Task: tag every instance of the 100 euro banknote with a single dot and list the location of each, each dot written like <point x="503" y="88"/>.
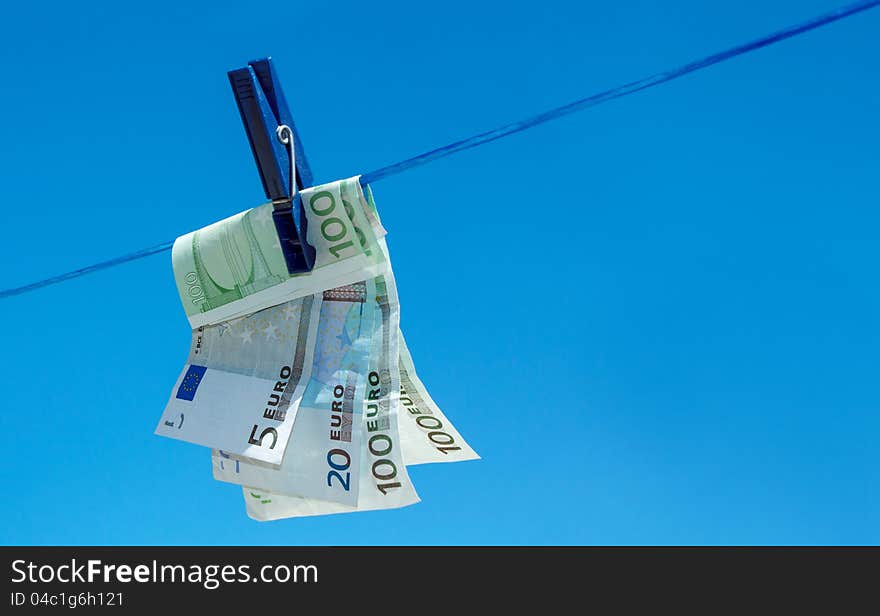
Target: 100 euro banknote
<point x="426" y="434"/>
<point x="235" y="266"/>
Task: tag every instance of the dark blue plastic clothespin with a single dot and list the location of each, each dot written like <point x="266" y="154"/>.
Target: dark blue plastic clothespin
<point x="263" y="109"/>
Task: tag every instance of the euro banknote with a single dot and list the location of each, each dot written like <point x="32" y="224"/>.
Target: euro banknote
<point x="383" y="478"/>
<point x="241" y="387"/>
<point x="426" y="434"/>
<point x="235" y="266"/>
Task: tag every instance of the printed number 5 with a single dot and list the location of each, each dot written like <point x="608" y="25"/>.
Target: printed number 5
<point x="263" y="434"/>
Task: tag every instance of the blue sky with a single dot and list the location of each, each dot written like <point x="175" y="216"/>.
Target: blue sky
<point x="656" y="320"/>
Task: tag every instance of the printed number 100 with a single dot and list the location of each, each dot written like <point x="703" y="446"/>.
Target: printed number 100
<point x="333" y="229"/>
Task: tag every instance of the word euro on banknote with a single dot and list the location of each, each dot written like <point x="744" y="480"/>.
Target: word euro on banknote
<point x="384" y="481"/>
<point x="236" y="266"/>
<point x="243" y="381"/>
<point x="324" y="452"/>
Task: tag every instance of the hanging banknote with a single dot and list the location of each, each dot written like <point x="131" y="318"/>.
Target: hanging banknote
<point x="426" y="435"/>
<point x="243" y="381"/>
<point x="236" y="266"/>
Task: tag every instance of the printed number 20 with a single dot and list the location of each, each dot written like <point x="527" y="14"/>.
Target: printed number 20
<point x="339" y="467"/>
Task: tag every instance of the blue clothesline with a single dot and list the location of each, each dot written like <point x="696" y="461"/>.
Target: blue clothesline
<point x="514" y="127"/>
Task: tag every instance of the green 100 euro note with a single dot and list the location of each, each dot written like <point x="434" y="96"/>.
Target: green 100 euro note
<point x="235" y="267"/>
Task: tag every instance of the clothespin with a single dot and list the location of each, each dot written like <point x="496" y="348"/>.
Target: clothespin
<point x="264" y="111"/>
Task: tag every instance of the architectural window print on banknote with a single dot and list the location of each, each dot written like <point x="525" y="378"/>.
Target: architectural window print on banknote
<point x="302" y="385"/>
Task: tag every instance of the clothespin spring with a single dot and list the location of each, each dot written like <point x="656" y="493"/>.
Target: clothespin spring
<point x="287" y="212"/>
<point x="285" y="136"/>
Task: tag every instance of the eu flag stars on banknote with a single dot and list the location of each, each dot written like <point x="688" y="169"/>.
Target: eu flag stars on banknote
<point x="301" y="384"/>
